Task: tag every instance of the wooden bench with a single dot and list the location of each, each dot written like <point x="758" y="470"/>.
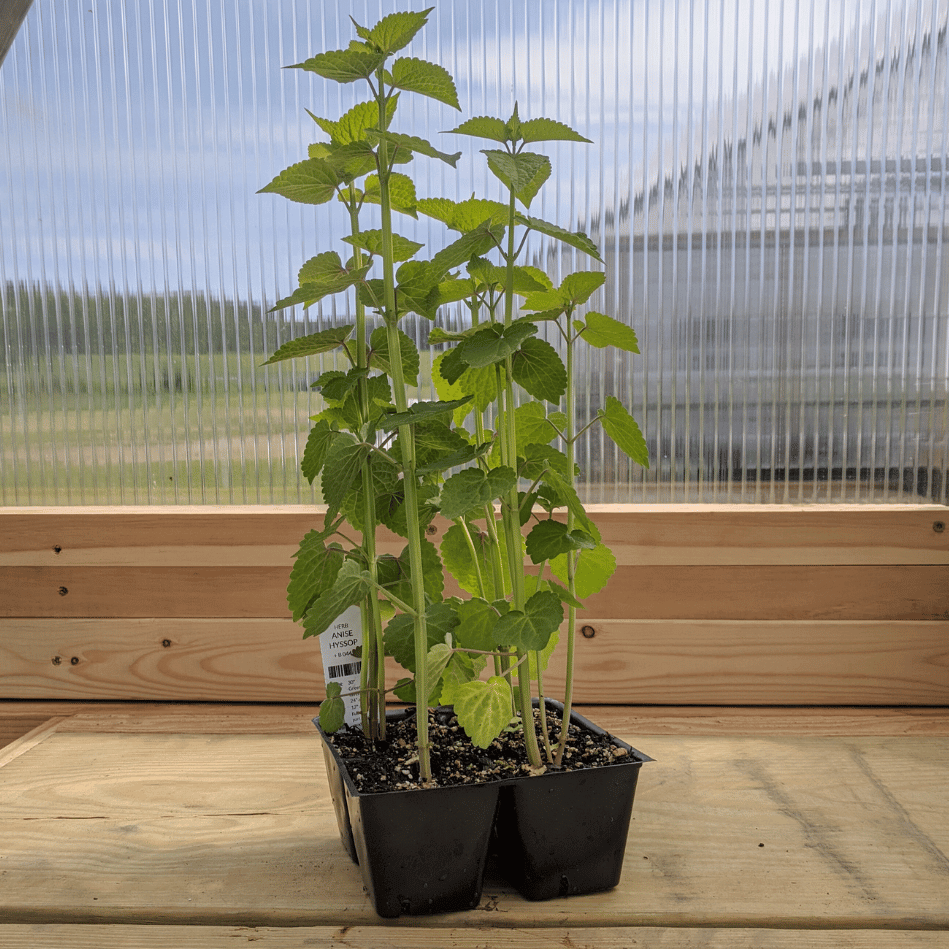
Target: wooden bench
<point x="160" y="784"/>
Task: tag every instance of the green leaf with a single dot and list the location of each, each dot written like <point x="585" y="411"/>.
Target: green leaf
<point x="399" y="636"/>
<point x="602" y="330"/>
<point x="322" y="342"/>
<point x="435" y="663"/>
<point x="453" y="459"/>
<point x="417" y="290"/>
<point x="379" y="356"/>
<point x="578" y="240"/>
<point x="532" y="628"/>
<point x="472" y="213"/>
<point x="412" y="144"/>
<point x="461" y="668"/>
<point x="622" y="428"/>
<point x="332" y="709"/>
<point x="537" y="660"/>
<point x="577" y="288"/>
<point x="427" y="79"/>
<point x="401" y="193"/>
<point x="593" y="571"/>
<point x="483" y="708"/>
<point x="349" y="588"/>
<point x="343" y="65"/>
<point x="534" y="426"/>
<point x="547" y="540"/>
<point x="547" y="130"/>
<point x="335" y="386"/>
<point x="344" y="460"/>
<point x="480" y="384"/>
<point x="384" y="480"/>
<point x="434" y="440"/>
<point x="456" y="555"/>
<point x="317" y="445"/>
<point x="494" y="343"/>
<point x="421" y="411"/>
<point x="396" y="31"/>
<point x="315" y="567"/>
<point x="473" y="488"/>
<point x="459" y="252"/>
<point x="371" y="242"/>
<point x="477" y="619"/>
<point x="307" y="182"/>
<point x="538" y="368"/>
<point x="523" y="173"/>
<point x="352" y="126"/>
<point x="567" y="493"/>
<point x="483" y="126"/>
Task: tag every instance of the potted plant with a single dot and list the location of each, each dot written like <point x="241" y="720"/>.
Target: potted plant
<point x="495" y="456"/>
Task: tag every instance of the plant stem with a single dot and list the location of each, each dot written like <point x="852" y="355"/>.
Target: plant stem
<point x="571" y="557"/>
<point x="407" y="441"/>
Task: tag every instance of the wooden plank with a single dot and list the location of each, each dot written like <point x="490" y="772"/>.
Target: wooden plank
<point x="775" y="833"/>
<point x="647" y="534"/>
<point x="28" y="741"/>
<point x="485" y="936"/>
<point x="648" y="592"/>
<point x="158" y="718"/>
<point x="636" y="661"/>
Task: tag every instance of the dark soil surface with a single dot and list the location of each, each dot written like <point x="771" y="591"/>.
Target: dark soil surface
<point x="392" y="765"/>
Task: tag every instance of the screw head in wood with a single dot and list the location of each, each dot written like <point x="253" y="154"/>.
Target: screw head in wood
<point x="587" y="632"/>
<point x="63" y="591"/>
<point x="939" y="527"/>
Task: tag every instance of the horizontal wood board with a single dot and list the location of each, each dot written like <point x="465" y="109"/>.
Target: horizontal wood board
<point x="710" y="603"/>
<point x="230" y="829"/>
<point x="641" y="661"/>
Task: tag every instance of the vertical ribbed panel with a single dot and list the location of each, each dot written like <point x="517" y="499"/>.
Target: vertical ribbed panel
<point x="767" y="184"/>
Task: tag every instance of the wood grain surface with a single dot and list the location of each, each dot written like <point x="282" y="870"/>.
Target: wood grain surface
<point x="40" y="936"/>
<point x="773" y="833"/>
<point x="623" y="661"/>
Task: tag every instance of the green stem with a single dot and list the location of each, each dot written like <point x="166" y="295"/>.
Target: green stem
<point x="571" y="561"/>
<point x="407" y="441"/>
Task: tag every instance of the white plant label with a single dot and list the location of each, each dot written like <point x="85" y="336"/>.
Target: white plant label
<point x="339" y="664"/>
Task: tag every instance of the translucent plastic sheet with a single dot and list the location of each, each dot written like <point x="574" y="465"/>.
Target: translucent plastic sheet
<point x="767" y="183"/>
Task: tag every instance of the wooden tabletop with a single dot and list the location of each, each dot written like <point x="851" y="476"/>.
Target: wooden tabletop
<point x="207" y="826"/>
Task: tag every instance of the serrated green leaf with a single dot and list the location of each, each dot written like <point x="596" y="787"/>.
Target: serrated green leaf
<point x="578" y="240"/>
<point x="371" y="242"/>
<point x="413" y="144"/>
<point x="317" y="445"/>
<point x="315" y="343"/>
<point x="395" y="514"/>
<point x="420" y="411"/>
<point x="348" y="589"/>
<point x="343" y="65"/>
<point x="380" y="358"/>
<point x="456" y="555"/>
<point x="567" y="494"/>
<point x="352" y="126"/>
<point x="383" y="481"/>
<point x="547" y="130"/>
<point x="534" y="426"/>
<point x="622" y="428"/>
<point x="343" y="463"/>
<point x="427" y="79"/>
<point x="479" y="384"/>
<point x="332" y="710"/>
<point x="483" y="126"/>
<point x="395" y="31"/>
<point x="401" y="193"/>
<point x="417" y="289"/>
<point x="435" y="663"/>
<point x="322" y="268"/>
<point x="335" y="386"/>
<point x="578" y="287"/>
<point x="459" y="252"/>
<point x="547" y="540"/>
<point x="473" y="213"/>
<point x="307" y="182"/>
<point x="399" y="638"/>
<point x="434" y="440"/>
<point x="539" y="370"/>
<point x="494" y="343"/>
<point x="532" y="628"/>
<point x="601" y="330"/>
<point x="305" y="295"/>
<point x="537" y="460"/>
<point x="461" y="668"/>
<point x="315" y="567"/>
<point x="472" y="489"/>
<point x="483" y="708"/>
<point x="523" y="173"/>
<point x="477" y="619"/>
<point x="593" y="571"/>
<point x="460" y="456"/>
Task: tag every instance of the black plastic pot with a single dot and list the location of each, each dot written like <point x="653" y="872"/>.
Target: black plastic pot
<point x="424" y="851"/>
<point x="421" y="851"/>
<point x="564" y="833"/>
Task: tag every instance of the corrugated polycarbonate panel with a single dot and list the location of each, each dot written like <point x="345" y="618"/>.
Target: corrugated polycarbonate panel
<point x="767" y="184"/>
